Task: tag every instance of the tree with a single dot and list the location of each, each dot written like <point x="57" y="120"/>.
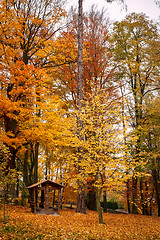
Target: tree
<point x="27" y="28"/>
<point x="7" y="178"/>
<point x="135" y="43"/>
<point x="101" y="150"/>
<point x="81" y="189"/>
<point x="151" y="134"/>
<point x="98" y="70"/>
<point x="98" y="67"/>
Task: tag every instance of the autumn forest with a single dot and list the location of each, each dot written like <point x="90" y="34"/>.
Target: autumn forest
<point x="79" y="106"/>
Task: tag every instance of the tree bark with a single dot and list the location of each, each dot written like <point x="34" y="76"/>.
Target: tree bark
<point x="142" y="197"/>
<point x="99" y="209"/>
<point x="156" y="185"/>
<point x="36" y="162"/>
<point x="98" y="202"/>
<point x="105" y="201"/>
<point x="128" y="201"/>
<point x="81" y="205"/>
<point x="25" y="169"/>
<point x="134" y="196"/>
<point x="91" y="203"/>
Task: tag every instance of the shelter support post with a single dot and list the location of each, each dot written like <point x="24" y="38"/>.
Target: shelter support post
<point x="47" y="198"/>
<point x="58" y="202"/>
<point x="34" y="194"/>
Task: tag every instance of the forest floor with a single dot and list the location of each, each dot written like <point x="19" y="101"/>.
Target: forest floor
<point x="22" y="224"/>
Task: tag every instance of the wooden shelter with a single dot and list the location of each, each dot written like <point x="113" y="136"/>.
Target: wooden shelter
<point x="45" y="197"/>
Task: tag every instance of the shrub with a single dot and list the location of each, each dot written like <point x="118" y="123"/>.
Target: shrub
<point x="110" y="205"/>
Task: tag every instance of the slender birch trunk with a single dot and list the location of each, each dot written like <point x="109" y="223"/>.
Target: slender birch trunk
<point x="81" y="206"/>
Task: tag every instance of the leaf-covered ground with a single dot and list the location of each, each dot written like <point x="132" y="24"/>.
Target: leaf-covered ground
<point x="22" y="224"/>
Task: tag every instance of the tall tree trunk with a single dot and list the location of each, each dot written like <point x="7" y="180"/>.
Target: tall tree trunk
<point x="137" y="149"/>
<point x="124" y="139"/>
<point x="128" y="201"/>
<point x="62" y="178"/>
<point x="25" y="169"/>
<point x="157" y="190"/>
<point x="142" y="197"/>
<point x="91" y="197"/>
<point x="105" y="201"/>
<point x="146" y="203"/>
<point x="134" y="196"/>
<point x="98" y="201"/>
<point x="11" y="126"/>
<point x="36" y="162"/>
<point x="99" y="209"/>
<point x="12" y="166"/>
<point x="11" y="162"/>
<point x="81" y="205"/>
